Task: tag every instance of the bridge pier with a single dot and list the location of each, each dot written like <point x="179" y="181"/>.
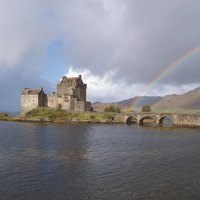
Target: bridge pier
<point x="140" y="122"/>
<point x="159" y="122"/>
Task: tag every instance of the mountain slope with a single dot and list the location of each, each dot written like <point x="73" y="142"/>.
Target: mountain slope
<point x="128" y="104"/>
<point x="190" y="100"/>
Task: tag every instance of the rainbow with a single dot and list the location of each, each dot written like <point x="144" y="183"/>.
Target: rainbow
<point x="167" y="70"/>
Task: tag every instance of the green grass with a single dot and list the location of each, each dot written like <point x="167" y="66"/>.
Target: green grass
<point x="53" y="114"/>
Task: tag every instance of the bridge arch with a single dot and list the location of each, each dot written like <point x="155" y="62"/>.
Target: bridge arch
<point x="141" y="120"/>
<point x="131" y="120"/>
<point x="160" y="120"/>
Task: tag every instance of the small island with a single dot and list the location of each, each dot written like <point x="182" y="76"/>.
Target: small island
<point x="68" y="104"/>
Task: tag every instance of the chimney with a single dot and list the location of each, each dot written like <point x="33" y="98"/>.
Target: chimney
<point x="79" y="76"/>
<point x="64" y="77"/>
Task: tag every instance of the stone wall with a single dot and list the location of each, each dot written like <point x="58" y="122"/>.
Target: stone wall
<point x="186" y="120"/>
<point x="28" y="102"/>
<point x="80" y="106"/>
<point x="80" y="92"/>
<point x="72" y="86"/>
<point x="31" y="99"/>
<point x="88" y="106"/>
<point x="52" y="100"/>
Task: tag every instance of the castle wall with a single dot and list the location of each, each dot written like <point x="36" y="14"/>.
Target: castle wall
<point x="88" y="106"/>
<point x="52" y="100"/>
<point x="29" y="102"/>
<point x="80" y="92"/>
<point x="65" y="102"/>
<point x="80" y="106"/>
<point x="62" y="89"/>
<point x="41" y="99"/>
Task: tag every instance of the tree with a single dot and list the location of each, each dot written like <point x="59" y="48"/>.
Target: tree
<point x="112" y="108"/>
<point x="146" y="108"/>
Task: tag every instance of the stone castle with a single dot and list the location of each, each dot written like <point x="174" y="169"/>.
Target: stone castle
<point x="70" y="96"/>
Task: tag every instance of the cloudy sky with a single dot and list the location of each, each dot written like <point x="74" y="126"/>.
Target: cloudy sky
<point x="119" y="46"/>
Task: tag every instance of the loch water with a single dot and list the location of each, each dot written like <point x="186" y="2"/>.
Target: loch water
<point x="41" y="161"/>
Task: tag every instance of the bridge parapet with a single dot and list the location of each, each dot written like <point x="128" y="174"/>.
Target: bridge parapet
<point x="183" y="120"/>
<point x="186" y="120"/>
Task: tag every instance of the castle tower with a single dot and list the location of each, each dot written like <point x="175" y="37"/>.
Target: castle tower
<point x="31" y="99"/>
<point x="71" y="93"/>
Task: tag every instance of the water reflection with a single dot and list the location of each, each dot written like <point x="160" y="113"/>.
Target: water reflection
<point x="64" y="161"/>
<point x="167" y="122"/>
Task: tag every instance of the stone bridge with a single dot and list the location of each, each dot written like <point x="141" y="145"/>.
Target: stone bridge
<point x="183" y="120"/>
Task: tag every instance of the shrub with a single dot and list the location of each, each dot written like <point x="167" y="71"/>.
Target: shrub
<point x="3" y="115"/>
<point x="92" y="116"/>
<point x="146" y="108"/>
<point x="112" y="108"/>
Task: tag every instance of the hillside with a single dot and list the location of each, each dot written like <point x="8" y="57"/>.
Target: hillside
<point x="101" y="106"/>
<point x="127" y="104"/>
<point x="189" y="100"/>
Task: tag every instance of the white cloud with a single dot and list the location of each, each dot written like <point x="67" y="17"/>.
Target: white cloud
<point x="170" y="89"/>
<point x="106" y="89"/>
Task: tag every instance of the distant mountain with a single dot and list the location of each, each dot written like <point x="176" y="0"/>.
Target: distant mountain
<point x="100" y="106"/>
<point x="128" y="104"/>
<point x="189" y="100"/>
<point x="150" y="100"/>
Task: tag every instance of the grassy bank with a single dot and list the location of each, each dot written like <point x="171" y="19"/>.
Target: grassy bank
<point x="46" y="114"/>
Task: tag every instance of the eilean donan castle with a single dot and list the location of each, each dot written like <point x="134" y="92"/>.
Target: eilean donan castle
<point x="70" y="95"/>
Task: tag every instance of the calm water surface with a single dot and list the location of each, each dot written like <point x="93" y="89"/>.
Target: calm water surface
<point x="68" y="161"/>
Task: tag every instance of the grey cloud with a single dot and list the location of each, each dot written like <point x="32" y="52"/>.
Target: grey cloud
<point x="12" y="83"/>
<point x="135" y="38"/>
<point x="138" y="38"/>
